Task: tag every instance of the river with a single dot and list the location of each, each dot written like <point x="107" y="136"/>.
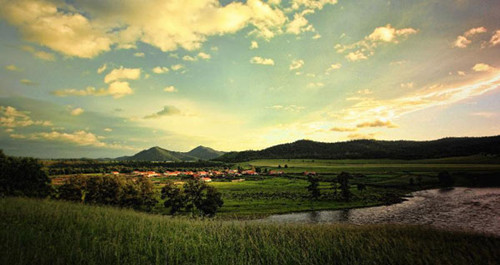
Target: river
<point x="473" y="209"/>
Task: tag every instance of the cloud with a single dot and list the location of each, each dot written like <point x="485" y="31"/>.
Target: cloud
<point x="315" y="85"/>
<point x="461" y="73"/>
<point x="170" y="89"/>
<point x="356" y="56"/>
<point x="365" y="48"/>
<point x="377" y="123"/>
<point x="463" y="41"/>
<point x="166" y="111"/>
<point x="291" y="108"/>
<point x="139" y="54"/>
<point x="296" y="64"/>
<point x="359" y="136"/>
<point x="317" y="36"/>
<point x="495" y="39"/>
<point x="13" y="68"/>
<point x="122" y="73"/>
<point x="88" y="28"/>
<point x="407" y="85"/>
<point x="311" y="4"/>
<point x="484" y="114"/>
<point x="108" y="129"/>
<point x="474" y="31"/>
<point x="298" y="25"/>
<point x="254" y="45"/>
<point x="342" y="129"/>
<point x="334" y="67"/>
<point x="177" y="67"/>
<point x="102" y="68"/>
<point x="10" y="117"/>
<point x="116" y="90"/>
<point x="160" y="70"/>
<point x="260" y="60"/>
<point x="77" y="111"/>
<point x="28" y="82"/>
<point x="365" y="92"/>
<point x="204" y="56"/>
<point x="189" y="58"/>
<point x="56" y="27"/>
<point x="482" y="67"/>
<point x="47" y="56"/>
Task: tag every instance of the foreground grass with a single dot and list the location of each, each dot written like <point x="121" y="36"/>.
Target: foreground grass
<point x="51" y="232"/>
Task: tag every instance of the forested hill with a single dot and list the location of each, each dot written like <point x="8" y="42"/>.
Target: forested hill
<point x="373" y="149"/>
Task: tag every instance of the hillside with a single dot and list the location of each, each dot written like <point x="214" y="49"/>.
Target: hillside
<point x="56" y="232"/>
<point x="373" y="149"/>
<point x="159" y="154"/>
<point x="204" y="153"/>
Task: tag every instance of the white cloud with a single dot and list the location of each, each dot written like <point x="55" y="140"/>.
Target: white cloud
<point x="365" y="92"/>
<point x="101" y="69"/>
<point x="298" y="25"/>
<point x="13" y="68"/>
<point x="77" y="111"/>
<point x="474" y="31"/>
<point x="122" y="73"/>
<point x="356" y="56"/>
<point x="407" y="85"/>
<point x="263" y="61"/>
<point x="334" y="67"/>
<point x="317" y="36"/>
<point x="160" y="70"/>
<point x="87" y="28"/>
<point x="204" y="56"/>
<point x="254" y="45"/>
<point x="482" y="67"/>
<point x="170" y="89"/>
<point x="189" y="58"/>
<point x="296" y="64"/>
<point x="28" y="82"/>
<point x="139" y="54"/>
<point x="461" y="73"/>
<point x="177" y="67"/>
<point x="10" y="117"/>
<point x="315" y="85"/>
<point x="461" y="42"/>
<point x="365" y="48"/>
<point x="108" y="129"/>
<point x="47" y="56"/>
<point x="311" y="4"/>
<point x="116" y="89"/>
<point x="291" y="108"/>
<point x="495" y="39"/>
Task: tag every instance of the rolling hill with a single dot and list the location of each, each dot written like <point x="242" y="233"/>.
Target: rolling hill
<point x="159" y="154"/>
<point x="373" y="149"/>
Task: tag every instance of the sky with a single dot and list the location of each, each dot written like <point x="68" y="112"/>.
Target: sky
<point x="106" y="78"/>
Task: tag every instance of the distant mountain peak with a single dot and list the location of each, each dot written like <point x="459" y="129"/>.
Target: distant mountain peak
<point x="157" y="153"/>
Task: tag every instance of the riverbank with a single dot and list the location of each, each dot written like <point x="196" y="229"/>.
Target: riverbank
<point x="473" y="209"/>
<point x="54" y="232"/>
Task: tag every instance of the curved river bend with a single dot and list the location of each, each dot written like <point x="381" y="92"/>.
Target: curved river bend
<point x="476" y="209"/>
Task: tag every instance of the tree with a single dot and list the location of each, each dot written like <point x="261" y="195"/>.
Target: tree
<point x="202" y="198"/>
<point x="313" y="187"/>
<point x="174" y="196"/>
<point x="73" y="189"/>
<point x="22" y="177"/>
<point x="343" y="180"/>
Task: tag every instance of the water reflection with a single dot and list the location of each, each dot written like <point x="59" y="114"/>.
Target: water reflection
<point x="463" y="208"/>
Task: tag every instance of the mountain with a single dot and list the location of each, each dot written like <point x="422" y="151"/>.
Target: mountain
<point x="159" y="154"/>
<point x="373" y="149"/>
<point x="204" y="153"/>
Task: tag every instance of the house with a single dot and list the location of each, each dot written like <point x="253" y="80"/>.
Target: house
<point x="206" y="179"/>
<point x="237" y="180"/>
<point x="115" y="172"/>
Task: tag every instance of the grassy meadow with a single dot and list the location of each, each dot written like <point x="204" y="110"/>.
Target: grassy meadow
<point x="55" y="232"/>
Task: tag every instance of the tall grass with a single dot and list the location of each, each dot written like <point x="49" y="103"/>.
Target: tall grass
<point x="54" y="232"/>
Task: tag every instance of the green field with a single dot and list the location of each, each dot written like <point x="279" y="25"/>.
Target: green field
<point x="54" y="232"/>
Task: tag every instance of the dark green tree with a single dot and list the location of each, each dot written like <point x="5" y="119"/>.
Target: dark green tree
<point x="174" y="196"/>
<point x="343" y="180"/>
<point x="313" y="187"/>
<point x="23" y="177"/>
<point x="202" y="198"/>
